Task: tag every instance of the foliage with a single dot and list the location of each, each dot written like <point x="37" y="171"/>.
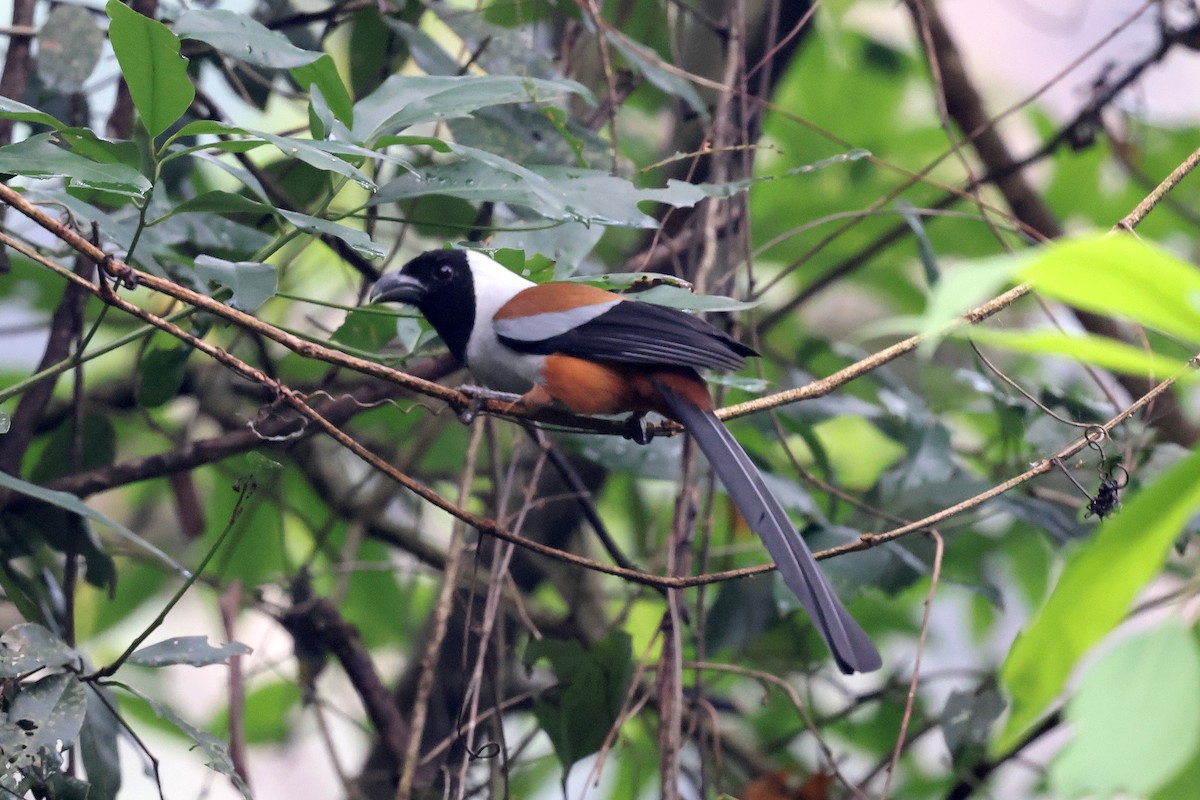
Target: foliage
<point x="221" y="191"/>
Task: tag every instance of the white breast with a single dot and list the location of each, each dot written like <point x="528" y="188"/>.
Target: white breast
<point x="493" y="364"/>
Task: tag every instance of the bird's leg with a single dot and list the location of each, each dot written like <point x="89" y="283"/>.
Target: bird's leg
<point x="636" y="428"/>
<point x="480" y="394"/>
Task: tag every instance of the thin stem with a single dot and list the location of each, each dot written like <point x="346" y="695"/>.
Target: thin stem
<point x="245" y="488"/>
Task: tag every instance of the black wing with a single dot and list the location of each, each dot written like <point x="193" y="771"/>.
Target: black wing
<point x="640" y="333"/>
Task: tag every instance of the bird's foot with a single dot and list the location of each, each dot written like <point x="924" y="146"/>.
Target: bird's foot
<point x="637" y="430"/>
<point x="479" y="395"/>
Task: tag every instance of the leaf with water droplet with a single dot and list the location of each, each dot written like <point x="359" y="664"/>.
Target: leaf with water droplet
<point x="242" y="37"/>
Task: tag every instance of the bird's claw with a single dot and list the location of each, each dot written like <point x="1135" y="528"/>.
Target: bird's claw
<point x="637" y="430"/>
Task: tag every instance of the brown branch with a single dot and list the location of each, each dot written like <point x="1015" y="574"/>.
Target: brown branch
<point x="229" y="604"/>
<point x="118" y="270"/>
<point x="491" y="527"/>
<point x="1131" y="220"/>
<point x="320" y="617"/>
<point x="441" y="619"/>
<point x="911" y="697"/>
<point x="66" y="326"/>
<point x="18" y="60"/>
<point x="278" y="431"/>
<point x="901" y="230"/>
<point x="867" y="541"/>
<point x="823" y="386"/>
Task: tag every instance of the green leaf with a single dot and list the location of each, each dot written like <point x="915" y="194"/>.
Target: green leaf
<point x="28" y="647"/>
<point x="1099" y="350"/>
<point x="956" y="291"/>
<point x="150" y="63"/>
<point x="925" y="249"/>
<point x="252" y="282"/>
<point x="270" y="713"/>
<point x="529" y="136"/>
<point x="1118" y="274"/>
<point x="86" y="143"/>
<point x="1133" y="719"/>
<point x="11" y="109"/>
<point x="405" y="100"/>
<point x="566" y="244"/>
<point x="242" y="37"/>
<point x="1183" y="785"/>
<point x="70" y="502"/>
<point x="160" y="374"/>
<point x="38" y="157"/>
<point x="325" y="155"/>
<point x="578" y="714"/>
<point x="99" y="447"/>
<point x="194" y="650"/>
<point x="34" y="524"/>
<point x="357" y="239"/>
<point x="323" y="74"/>
<point x="366" y="331"/>
<point x="1093" y="594"/>
<point x="221" y="203"/>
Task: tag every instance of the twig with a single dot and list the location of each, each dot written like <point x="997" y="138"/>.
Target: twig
<point x="910" y="700"/>
<point x="229" y="603"/>
<point x="590" y="8"/>
<point x="867" y="541"/>
<point x="1000" y="374"/>
<point x="245" y="488"/>
<point x="343" y="640"/>
<point x="1131" y="220"/>
<point x="441" y="618"/>
<point x="823" y="386"/>
<point x="794" y="697"/>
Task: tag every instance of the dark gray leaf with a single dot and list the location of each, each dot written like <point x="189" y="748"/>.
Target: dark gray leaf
<point x="357" y="239"/>
<point x="194" y="650"/>
<point x="45" y="714"/>
<point x="657" y="71"/>
<point x="72" y="503"/>
<point x="28" y="647"/>
<point x="212" y="747"/>
<point x="69" y="45"/>
<point x="967" y="720"/>
<point x="98" y="745"/>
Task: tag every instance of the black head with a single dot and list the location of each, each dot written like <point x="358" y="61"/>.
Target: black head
<point x="439" y="284"/>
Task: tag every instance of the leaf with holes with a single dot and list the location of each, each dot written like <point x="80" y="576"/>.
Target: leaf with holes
<point x="28" y="647"/>
<point x="194" y="650"/>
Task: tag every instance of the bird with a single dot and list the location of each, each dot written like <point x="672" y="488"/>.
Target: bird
<point x="594" y="352"/>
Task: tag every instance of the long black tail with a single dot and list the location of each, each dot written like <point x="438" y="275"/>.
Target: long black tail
<point x="851" y="647"/>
